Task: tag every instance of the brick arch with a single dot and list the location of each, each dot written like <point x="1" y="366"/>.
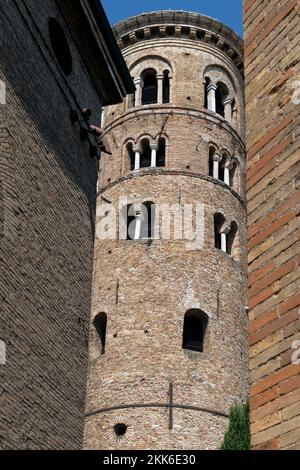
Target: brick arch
<point x="156" y="62"/>
<point x="219" y="74"/>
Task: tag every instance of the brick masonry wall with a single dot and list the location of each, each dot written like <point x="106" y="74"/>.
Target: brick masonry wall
<point x="146" y="288"/>
<point x="48" y="183"/>
<point x="272" y="62"/>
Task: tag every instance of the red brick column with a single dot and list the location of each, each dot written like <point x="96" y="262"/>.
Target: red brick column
<point x="272" y="54"/>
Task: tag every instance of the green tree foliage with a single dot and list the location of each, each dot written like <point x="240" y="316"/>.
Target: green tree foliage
<point x="238" y="435"/>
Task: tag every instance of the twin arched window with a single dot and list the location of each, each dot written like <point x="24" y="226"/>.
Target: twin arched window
<point x="139" y="221"/>
<point x="217" y="99"/>
<point x="224" y="235"/>
<point x="222" y="167"/>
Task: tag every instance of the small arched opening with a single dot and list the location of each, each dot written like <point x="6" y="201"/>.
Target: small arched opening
<point x="219" y="221"/>
<point x="131" y="155"/>
<point x="100" y="323"/>
<point x="231" y="236"/>
<point x="207" y="82"/>
<point x="148" y="220"/>
<point x="212" y="153"/>
<point x="166" y="87"/>
<point x="161" y="153"/>
<point x="194" y="330"/>
<point x="145" y="154"/>
<point x="222" y="93"/>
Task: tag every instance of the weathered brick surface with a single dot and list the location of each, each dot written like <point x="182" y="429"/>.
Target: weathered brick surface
<point x="145" y="289"/>
<point x="48" y="183"/>
<point x="272" y="37"/>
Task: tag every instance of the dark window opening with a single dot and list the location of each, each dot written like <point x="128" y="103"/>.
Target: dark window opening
<point x="206" y="85"/>
<point x="60" y="46"/>
<point x="195" y="324"/>
<point x="131" y="156"/>
<point x="221" y="94"/>
<point x="166" y="87"/>
<point x="219" y="221"/>
<point x="161" y="153"/>
<point x="145" y="154"/>
<point x="222" y="168"/>
<point x="148" y="217"/>
<point x="100" y="323"/>
<point x="120" y="429"/>
<point x="130" y="221"/>
<point x="231" y="237"/>
<point x="149" y="94"/>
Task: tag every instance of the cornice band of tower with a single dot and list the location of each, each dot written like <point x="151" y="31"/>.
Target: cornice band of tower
<point x="172" y="110"/>
<point x="181" y="24"/>
<point x="162" y="172"/>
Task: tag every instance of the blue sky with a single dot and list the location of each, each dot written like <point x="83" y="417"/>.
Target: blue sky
<point x="228" y="11"/>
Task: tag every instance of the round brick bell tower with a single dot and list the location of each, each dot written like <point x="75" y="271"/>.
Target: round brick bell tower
<point x="168" y="334"/>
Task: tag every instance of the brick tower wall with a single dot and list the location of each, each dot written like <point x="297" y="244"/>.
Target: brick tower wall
<point x="272" y="45"/>
<point x="145" y="287"/>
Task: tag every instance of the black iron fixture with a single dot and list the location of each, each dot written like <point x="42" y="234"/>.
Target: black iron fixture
<point x="86" y="130"/>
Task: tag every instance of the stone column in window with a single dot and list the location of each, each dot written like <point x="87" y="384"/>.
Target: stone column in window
<point x="228" y="109"/>
<point x="211" y="97"/>
<point x="216" y="159"/>
<point x="138" y="93"/>
<point x="160" y="81"/>
<point x="224" y="233"/>
<point x="228" y="167"/>
<point x="153" y="155"/>
<point x="137" y="158"/>
<point x="138" y="225"/>
<point x="170" y="88"/>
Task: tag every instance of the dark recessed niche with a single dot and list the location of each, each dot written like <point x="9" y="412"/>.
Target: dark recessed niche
<point x="120" y="429"/>
<point x="60" y="46"/>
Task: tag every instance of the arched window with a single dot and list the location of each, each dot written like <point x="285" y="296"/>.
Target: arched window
<point x="161" y="153"/>
<point x="129" y="217"/>
<point x="219" y="221"/>
<point x="222" y="93"/>
<point x="145" y="154"/>
<point x="231" y="237"/>
<point x="149" y="93"/>
<point x="194" y="329"/>
<point x="212" y="152"/>
<point x="139" y="220"/>
<point x="222" y="167"/>
<point x="166" y="87"/>
<point x="100" y="323"/>
<point x="131" y="155"/>
<point x="148" y="218"/>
